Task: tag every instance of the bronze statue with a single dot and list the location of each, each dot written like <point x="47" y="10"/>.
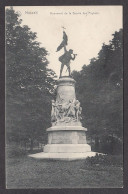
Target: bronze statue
<point x="65" y="60"/>
<point x="67" y="56"/>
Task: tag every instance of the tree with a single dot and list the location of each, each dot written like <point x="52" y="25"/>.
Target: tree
<point x="29" y="82"/>
<point x="99" y="87"/>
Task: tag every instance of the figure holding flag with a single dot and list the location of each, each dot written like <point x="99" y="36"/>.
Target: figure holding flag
<point x="67" y="56"/>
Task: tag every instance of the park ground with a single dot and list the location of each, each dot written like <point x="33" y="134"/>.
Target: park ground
<point x="25" y="172"/>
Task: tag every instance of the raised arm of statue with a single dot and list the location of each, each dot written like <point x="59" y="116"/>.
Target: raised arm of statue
<point x="65" y="50"/>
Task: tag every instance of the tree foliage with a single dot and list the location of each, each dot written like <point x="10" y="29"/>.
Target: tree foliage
<point x="99" y="87"/>
<point x="29" y="82"/>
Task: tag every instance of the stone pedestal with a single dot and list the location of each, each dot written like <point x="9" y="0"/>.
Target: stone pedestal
<point x="66" y="137"/>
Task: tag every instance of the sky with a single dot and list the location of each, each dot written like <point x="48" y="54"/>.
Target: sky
<point x="87" y="28"/>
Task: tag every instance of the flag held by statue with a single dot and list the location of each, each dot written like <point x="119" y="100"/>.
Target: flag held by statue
<point x="64" y="42"/>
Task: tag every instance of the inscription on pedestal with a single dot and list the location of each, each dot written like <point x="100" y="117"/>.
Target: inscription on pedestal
<point x="67" y="137"/>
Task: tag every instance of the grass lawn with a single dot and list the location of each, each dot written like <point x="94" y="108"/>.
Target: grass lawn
<point x="26" y="172"/>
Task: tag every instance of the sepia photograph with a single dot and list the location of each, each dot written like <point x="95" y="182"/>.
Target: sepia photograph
<point x="64" y="97"/>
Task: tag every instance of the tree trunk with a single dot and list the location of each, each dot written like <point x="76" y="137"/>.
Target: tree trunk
<point x="31" y="144"/>
<point x="97" y="143"/>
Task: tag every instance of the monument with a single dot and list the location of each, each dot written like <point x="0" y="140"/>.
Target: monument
<point x="66" y="136"/>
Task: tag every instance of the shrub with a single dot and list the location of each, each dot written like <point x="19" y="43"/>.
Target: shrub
<point x="107" y="160"/>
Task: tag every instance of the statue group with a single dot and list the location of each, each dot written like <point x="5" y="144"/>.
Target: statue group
<point x="66" y="112"/>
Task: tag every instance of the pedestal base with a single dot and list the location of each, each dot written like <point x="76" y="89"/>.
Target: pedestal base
<point x="63" y="156"/>
<point x="65" y="152"/>
<point x="67" y="148"/>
